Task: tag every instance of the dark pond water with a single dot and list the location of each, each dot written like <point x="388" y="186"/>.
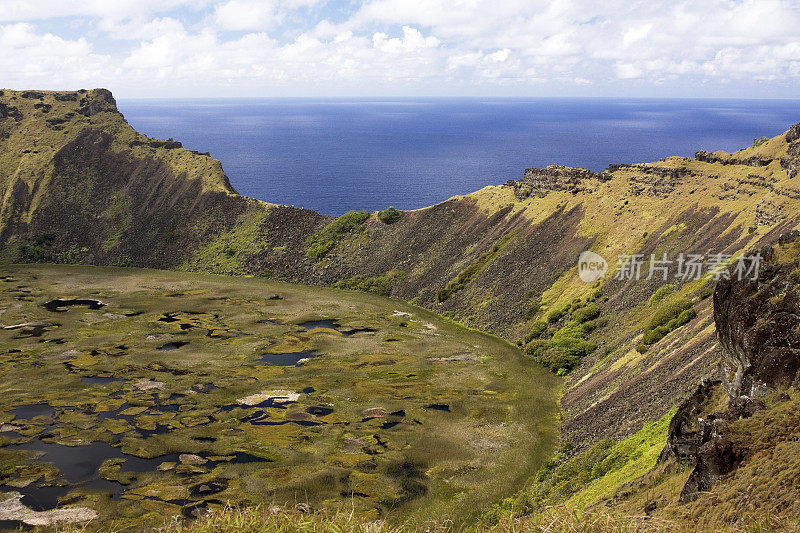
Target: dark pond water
<point x="58" y="305"/>
<point x="78" y="466"/>
<point x="29" y="411"/>
<point x="311" y="324"/>
<point x="172" y="346"/>
<point x="287" y="359"/>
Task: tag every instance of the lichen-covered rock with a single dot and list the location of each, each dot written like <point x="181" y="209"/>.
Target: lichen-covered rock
<point x="726" y="159"/>
<point x="539" y="181"/>
<point x="192" y="459"/>
<point x="277" y="396"/>
<point x="97" y="101"/>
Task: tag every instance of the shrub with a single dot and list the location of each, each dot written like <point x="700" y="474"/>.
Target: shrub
<point x="705" y="292"/>
<point x="533" y="309"/>
<point x="586" y="313"/>
<point x="322" y="242"/>
<point x="557" y="314"/>
<point x="592" y="325"/>
<point x="667" y="319"/>
<point x="390" y="215"/>
<point x="537" y="347"/>
<point x="382" y="284"/>
<point x="570" y="342"/>
<point x="661" y="293"/>
<point x="668" y="312"/>
<point x="537" y="329"/>
<point x="556" y="360"/>
<point x="39" y="248"/>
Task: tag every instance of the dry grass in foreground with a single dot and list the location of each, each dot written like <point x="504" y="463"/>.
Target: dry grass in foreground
<point x="558" y="519"/>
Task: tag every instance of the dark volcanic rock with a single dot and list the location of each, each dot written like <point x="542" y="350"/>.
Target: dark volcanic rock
<point x="66" y="97"/>
<point x="99" y="100"/>
<point x="7" y="111"/>
<point x="793" y="134"/>
<point x="650" y="180"/>
<point x="791" y="162"/>
<point x="754" y="161"/>
<point x="758" y="324"/>
<point x="686" y="435"/>
<point x="715" y="458"/>
<point x="539" y="181"/>
<point x="169" y="144"/>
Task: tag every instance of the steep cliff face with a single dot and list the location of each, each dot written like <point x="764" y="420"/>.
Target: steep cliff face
<point x="758" y="323"/>
<point x="78" y="184"/>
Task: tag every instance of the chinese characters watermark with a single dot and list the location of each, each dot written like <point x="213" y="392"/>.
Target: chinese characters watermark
<point x="687" y="267"/>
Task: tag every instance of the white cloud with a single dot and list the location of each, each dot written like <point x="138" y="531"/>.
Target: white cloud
<point x="30" y="10"/>
<point x="33" y="60"/>
<point x="323" y="46"/>
<point x="411" y="41"/>
<point x="239" y="15"/>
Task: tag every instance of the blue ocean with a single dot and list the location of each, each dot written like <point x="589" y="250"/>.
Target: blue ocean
<point x="367" y="154"/>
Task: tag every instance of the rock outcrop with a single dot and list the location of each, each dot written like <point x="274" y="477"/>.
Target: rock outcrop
<point x="758" y="325"/>
<point x="754" y="161"/>
<point x="539" y="181"/>
<point x="791" y="162"/>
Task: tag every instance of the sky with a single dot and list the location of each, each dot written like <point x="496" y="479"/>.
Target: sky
<point x="397" y="48"/>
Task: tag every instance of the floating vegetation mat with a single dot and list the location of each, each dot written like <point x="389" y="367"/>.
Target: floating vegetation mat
<point x="128" y="397"/>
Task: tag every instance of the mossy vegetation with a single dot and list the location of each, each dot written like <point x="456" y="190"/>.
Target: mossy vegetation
<point x="588" y="477"/>
<point x="229" y="252"/>
<point x="666" y="319"/>
<point x="194" y="390"/>
<point x="382" y="284"/>
<point x="561" y="339"/>
<point x="321" y="243"/>
<point x="390" y="215"/>
<point x="661" y="293"/>
<point x="466" y="276"/>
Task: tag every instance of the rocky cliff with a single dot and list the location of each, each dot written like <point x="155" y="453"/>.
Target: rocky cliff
<point x="731" y="447"/>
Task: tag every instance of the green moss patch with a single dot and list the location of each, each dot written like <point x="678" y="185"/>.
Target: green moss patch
<point x="321" y="243"/>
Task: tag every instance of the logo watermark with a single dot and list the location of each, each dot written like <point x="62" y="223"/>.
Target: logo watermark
<point x="686" y="267"/>
<point x="591" y="266"/>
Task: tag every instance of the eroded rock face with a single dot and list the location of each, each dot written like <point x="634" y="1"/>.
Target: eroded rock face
<point x="791" y="162"/>
<point x="686" y="431"/>
<point x="97" y="101"/>
<point x="539" y="181"/>
<point x="754" y="161"/>
<point x="793" y="134"/>
<point x="758" y="324"/>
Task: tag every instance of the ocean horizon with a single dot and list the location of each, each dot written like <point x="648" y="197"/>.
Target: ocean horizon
<point x="337" y="154"/>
